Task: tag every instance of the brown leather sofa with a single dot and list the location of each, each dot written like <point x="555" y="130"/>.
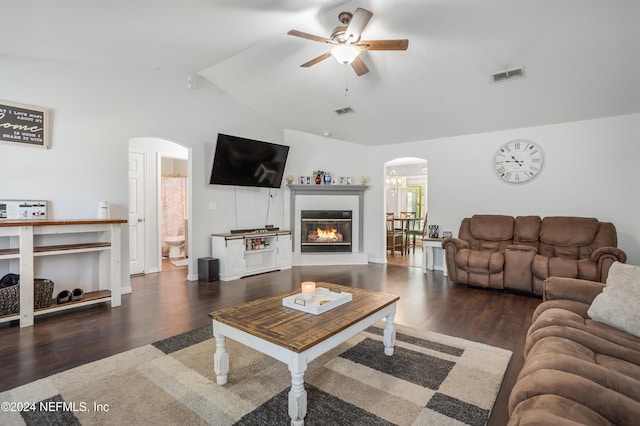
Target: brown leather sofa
<point x="497" y="251"/>
<point x="576" y="370"/>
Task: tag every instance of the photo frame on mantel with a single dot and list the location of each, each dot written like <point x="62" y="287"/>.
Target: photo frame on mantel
<point x="24" y="124"/>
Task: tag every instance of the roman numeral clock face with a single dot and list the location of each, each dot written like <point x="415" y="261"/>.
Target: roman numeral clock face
<point x="518" y="161"/>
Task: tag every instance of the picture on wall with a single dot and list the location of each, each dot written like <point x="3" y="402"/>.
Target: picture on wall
<point x="24" y="124"/>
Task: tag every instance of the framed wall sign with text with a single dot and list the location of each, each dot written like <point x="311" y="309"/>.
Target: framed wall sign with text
<point x="24" y="124"/>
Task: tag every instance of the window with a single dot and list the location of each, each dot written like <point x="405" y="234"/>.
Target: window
<point x="415" y="197"/>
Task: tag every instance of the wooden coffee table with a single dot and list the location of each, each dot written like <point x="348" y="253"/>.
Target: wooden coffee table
<point x="295" y="337"/>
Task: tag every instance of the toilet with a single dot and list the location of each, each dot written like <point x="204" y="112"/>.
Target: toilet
<point x="175" y="246"/>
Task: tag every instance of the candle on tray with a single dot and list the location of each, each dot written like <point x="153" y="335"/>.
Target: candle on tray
<point x="308" y="290"/>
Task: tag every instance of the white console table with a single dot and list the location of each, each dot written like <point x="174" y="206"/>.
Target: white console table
<point x="19" y="241"/>
<point x="429" y="248"/>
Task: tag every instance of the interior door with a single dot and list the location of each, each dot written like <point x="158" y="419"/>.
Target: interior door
<point x="136" y="213"/>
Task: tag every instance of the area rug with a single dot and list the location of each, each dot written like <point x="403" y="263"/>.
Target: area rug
<point x="431" y="379"/>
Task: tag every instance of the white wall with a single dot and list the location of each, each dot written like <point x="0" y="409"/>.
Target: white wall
<point x="591" y="169"/>
<point x="95" y="110"/>
<point x="591" y="166"/>
<point x="311" y="152"/>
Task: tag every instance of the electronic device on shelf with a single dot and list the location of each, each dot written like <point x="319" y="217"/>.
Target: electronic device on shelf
<point x="253" y="230"/>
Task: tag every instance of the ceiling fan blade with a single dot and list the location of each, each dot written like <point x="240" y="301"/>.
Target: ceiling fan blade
<point x="308" y="36"/>
<point x="316" y="60"/>
<point x="359" y="20"/>
<point x="359" y="66"/>
<point x="383" y="44"/>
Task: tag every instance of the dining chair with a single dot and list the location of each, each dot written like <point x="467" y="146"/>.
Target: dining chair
<point x="416" y="231"/>
<point x="395" y="238"/>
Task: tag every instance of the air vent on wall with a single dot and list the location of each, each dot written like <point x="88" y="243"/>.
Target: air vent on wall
<point x="345" y="110"/>
<point x="505" y="75"/>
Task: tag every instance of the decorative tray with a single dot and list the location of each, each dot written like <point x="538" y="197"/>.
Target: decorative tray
<point x="323" y="301"/>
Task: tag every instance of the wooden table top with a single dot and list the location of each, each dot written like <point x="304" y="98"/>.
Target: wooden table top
<point x="49" y="222"/>
<point x="296" y="330"/>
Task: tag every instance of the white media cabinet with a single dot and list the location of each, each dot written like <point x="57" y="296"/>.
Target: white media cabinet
<point x="21" y="240"/>
<point x="251" y="253"/>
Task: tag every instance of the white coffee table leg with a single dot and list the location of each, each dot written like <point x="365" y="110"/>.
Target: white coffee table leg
<point x="389" y="335"/>
<point x="297" y="394"/>
<point x="220" y="358"/>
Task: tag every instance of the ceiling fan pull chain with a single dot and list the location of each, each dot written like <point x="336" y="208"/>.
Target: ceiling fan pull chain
<point x="346" y="82"/>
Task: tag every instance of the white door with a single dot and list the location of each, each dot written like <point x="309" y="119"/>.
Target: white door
<point x="136" y="212"/>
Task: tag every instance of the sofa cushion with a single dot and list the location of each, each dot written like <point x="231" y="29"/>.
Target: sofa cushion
<point x="491" y="227"/>
<point x="618" y="303"/>
<point x="527" y="229"/>
<point x="568" y="231"/>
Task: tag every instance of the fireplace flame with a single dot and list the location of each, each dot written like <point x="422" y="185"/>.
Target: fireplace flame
<point x="328" y="234"/>
<point x="331" y="234"/>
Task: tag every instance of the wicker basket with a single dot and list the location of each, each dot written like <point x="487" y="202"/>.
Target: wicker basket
<point x="10" y="296"/>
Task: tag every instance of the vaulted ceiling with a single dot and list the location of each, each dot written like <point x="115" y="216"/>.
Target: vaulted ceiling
<point x="581" y="58"/>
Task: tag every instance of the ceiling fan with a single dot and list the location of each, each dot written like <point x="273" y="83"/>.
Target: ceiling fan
<point x="346" y="42"/>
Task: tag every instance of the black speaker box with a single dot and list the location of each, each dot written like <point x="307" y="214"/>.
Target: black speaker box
<point x="208" y="269"/>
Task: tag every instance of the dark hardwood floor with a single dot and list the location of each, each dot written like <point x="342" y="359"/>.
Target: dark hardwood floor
<point x="165" y="304"/>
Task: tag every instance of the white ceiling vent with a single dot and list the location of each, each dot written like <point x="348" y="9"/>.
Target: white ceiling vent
<point x="505" y="75"/>
<point x="345" y="110"/>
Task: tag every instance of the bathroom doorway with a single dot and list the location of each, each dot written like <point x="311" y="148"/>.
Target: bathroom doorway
<point x="146" y="254"/>
<point x="174" y="208"/>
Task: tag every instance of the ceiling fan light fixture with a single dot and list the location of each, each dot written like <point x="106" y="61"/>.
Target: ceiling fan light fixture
<point x="345" y="53"/>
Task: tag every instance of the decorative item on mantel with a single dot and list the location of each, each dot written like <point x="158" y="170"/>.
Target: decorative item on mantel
<point x="320" y="176"/>
<point x="290" y="179"/>
<point x="434" y="231"/>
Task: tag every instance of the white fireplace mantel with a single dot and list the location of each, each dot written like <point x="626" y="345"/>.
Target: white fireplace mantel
<point x="353" y="190"/>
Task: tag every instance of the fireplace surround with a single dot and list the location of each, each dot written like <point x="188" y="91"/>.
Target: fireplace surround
<point x="328" y="197"/>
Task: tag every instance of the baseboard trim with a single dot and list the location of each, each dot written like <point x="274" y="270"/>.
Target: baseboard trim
<point x="309" y="259"/>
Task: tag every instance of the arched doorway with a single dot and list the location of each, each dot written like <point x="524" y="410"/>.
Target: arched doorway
<point x="406" y="187"/>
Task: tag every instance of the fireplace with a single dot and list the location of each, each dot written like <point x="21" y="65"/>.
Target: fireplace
<point x="325" y="231"/>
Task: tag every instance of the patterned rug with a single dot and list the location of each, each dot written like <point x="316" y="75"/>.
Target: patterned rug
<point x="431" y="379"/>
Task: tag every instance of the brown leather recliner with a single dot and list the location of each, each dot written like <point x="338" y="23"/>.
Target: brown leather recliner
<point x="519" y="253"/>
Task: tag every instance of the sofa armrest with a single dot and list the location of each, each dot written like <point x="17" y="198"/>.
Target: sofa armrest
<point x="604" y="258"/>
<point x="451" y="247"/>
<point x="455" y="243"/>
<point x="558" y="288"/>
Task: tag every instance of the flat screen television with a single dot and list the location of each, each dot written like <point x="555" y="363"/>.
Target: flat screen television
<point x="247" y="162"/>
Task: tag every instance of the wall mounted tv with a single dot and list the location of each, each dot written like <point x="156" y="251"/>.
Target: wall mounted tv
<point x="247" y="162"/>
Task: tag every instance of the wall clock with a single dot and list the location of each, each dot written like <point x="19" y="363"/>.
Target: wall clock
<point x="518" y="161"/>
